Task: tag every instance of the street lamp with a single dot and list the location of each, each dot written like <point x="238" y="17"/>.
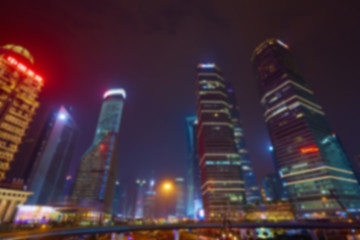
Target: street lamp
<point x="167" y="186"/>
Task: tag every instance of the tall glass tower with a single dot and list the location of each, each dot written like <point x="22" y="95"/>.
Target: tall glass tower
<point x="52" y="155"/>
<point x="251" y="187"/>
<point x="317" y="173"/>
<point x="139" y="208"/>
<point x="193" y="194"/>
<point x="222" y="185"/>
<point x="96" y="176"/>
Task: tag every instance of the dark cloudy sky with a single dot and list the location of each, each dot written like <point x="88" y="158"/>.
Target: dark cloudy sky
<point x="151" y="48"/>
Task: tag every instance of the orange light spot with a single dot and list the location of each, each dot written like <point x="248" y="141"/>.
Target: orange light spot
<point x="309" y="150"/>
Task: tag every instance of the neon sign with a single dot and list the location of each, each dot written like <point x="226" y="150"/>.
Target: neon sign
<point x="309" y="150"/>
<point x="24" y="69"/>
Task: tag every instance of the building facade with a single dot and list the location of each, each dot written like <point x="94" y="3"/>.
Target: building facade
<point x="10" y="200"/>
<point x="95" y="179"/>
<point x="139" y="208"/>
<point x="312" y="164"/>
<point x="222" y="185"/>
<point x="273" y="187"/>
<point x="52" y="158"/>
<point x="149" y="201"/>
<point x="20" y="86"/>
<point x="252" y="191"/>
<point x="180" y="198"/>
<point x="193" y="193"/>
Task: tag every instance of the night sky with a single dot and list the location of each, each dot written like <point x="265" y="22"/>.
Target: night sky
<point x="151" y="48"/>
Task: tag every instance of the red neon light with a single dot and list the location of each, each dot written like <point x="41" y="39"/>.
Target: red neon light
<point x="21" y="67"/>
<point x="38" y="78"/>
<point x="309" y="150"/>
<point x="12" y="60"/>
<point x="24" y="69"/>
<point x="30" y="73"/>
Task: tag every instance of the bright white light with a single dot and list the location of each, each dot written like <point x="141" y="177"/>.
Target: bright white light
<point x="201" y="213"/>
<point x="62" y="116"/>
<point x="282" y="43"/>
<point x="271" y="148"/>
<point x="118" y="91"/>
<point x="152" y="183"/>
<point x="207" y="65"/>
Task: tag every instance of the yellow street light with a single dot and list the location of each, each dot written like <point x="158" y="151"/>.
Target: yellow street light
<point x="167" y="186"/>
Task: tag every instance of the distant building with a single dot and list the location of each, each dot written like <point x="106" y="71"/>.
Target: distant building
<point x="117" y="199"/>
<point x="273" y="188"/>
<point x="180" y="198"/>
<point x="97" y="173"/>
<point x="149" y="201"/>
<point x="193" y="194"/>
<point x="139" y="208"/>
<point x="311" y="161"/>
<point x="252" y="192"/>
<point x="52" y="157"/>
<point x="222" y="184"/>
<point x="20" y="86"/>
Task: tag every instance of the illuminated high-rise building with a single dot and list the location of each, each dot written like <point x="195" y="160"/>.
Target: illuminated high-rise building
<point x="116" y="199"/>
<point x="193" y="194"/>
<point x="20" y="86"/>
<point x="222" y="184"/>
<point x="149" y="201"/>
<point x="97" y="173"/>
<point x="273" y="187"/>
<point x="52" y="157"/>
<point x="251" y="187"/>
<point x="180" y="198"/>
<point x="139" y="208"/>
<point x="311" y="162"/>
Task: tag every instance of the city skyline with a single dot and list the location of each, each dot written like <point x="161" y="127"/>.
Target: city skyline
<point x="179" y="120"/>
<point x="68" y="77"/>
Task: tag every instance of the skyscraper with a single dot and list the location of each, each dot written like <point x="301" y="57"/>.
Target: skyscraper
<point x="193" y="194"/>
<point x="20" y="86"/>
<point x="139" y="208"/>
<point x="251" y="187"/>
<point x="116" y="199"/>
<point x="96" y="176"/>
<point x="222" y="185"/>
<point x="180" y="198"/>
<point x="273" y="187"/>
<point x="311" y="162"/>
<point x="149" y="201"/>
<point x="52" y="157"/>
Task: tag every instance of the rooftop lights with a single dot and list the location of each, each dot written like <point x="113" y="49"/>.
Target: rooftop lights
<point x="23" y="68"/>
<point x="282" y="43"/>
<point x="115" y="92"/>
<point x="207" y="65"/>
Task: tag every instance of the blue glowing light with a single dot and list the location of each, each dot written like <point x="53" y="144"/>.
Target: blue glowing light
<point x="62" y="116"/>
<point x="207" y="65"/>
<point x="201" y="214"/>
<point x="271" y="148"/>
